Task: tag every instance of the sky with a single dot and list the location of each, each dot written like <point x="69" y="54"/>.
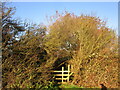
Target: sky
<point x="38" y="11"/>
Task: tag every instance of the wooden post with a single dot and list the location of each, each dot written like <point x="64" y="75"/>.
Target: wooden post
<point x="68" y="73"/>
<point x="62" y="73"/>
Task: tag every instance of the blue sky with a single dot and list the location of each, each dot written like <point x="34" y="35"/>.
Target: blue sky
<point x="37" y="11"/>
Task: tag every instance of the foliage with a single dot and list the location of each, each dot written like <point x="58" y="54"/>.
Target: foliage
<point x="85" y="39"/>
<point x="10" y="29"/>
<point x="22" y="58"/>
<point x="25" y="62"/>
<point x="82" y="41"/>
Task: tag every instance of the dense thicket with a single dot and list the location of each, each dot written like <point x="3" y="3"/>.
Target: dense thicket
<point x="82" y="41"/>
<point x="92" y="46"/>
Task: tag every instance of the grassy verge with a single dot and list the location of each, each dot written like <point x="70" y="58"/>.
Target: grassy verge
<point x="69" y="86"/>
<point x="65" y="86"/>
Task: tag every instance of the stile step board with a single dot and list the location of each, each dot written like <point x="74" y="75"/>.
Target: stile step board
<point x="62" y="82"/>
<point x="61" y="75"/>
<point x="59" y="71"/>
<point x="61" y="78"/>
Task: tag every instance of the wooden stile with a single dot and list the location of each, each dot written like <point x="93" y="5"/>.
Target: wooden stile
<point x="64" y="76"/>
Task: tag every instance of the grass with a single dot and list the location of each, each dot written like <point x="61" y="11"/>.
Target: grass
<point x="69" y="86"/>
<point x="65" y="86"/>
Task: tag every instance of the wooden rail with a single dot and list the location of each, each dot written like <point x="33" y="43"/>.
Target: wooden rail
<point x="59" y="71"/>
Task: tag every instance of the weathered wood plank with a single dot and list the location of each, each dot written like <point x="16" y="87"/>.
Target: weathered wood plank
<point x="61" y="78"/>
<point x="61" y="75"/>
<point x="61" y="82"/>
<point x="58" y="71"/>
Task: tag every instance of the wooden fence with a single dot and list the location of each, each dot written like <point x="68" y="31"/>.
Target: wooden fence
<point x="63" y="76"/>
